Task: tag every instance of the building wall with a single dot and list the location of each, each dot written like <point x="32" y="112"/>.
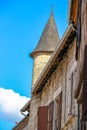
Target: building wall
<point x="40" y="60"/>
<point x="59" y="81"/>
<point x="22" y="125"/>
<point x="83" y="36"/>
<point x="33" y="116"/>
<point x="25" y="128"/>
<point x="80" y="60"/>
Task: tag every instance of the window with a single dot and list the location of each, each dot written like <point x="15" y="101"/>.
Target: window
<point x="42" y="118"/>
<point x="46" y="118"/>
<point x="70" y="93"/>
<point x="50" y="116"/>
<point x="58" y="112"/>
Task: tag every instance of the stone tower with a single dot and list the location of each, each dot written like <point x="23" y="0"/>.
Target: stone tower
<point x="45" y="47"/>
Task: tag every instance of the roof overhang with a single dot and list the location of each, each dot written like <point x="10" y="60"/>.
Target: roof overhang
<point x="42" y="52"/>
<point x="55" y="59"/>
<point x="22" y="124"/>
<point x="26" y="107"/>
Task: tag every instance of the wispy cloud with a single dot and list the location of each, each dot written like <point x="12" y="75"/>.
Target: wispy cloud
<point x="10" y="104"/>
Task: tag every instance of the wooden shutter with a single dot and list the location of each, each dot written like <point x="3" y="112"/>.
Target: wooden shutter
<point x="84" y="97"/>
<point x="42" y="118"/>
<point x="59" y="110"/>
<point x="50" y="116"/>
<point x="78" y="28"/>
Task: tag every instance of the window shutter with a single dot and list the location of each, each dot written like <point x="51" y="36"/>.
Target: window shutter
<point x="50" y="116"/>
<point x="42" y="118"/>
<point x="84" y="97"/>
<point x="59" y="112"/>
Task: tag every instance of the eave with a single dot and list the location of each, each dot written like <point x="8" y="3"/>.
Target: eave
<point x="55" y="59"/>
<point x="26" y="107"/>
<point x="23" y="123"/>
<point x="38" y="52"/>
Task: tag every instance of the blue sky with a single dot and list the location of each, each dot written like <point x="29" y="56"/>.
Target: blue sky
<point x="21" y="25"/>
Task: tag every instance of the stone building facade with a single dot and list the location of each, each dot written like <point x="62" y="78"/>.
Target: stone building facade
<point x="52" y="94"/>
<point x="59" y="92"/>
<point x="23" y="124"/>
<point x="59" y="88"/>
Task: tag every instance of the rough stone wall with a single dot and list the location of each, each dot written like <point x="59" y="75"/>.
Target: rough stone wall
<point x="69" y="67"/>
<point x="59" y="81"/>
<point x="39" y="63"/>
<point x="33" y="117"/>
<point x="25" y="128"/>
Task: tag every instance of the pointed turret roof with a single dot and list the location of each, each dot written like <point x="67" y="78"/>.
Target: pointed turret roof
<point x="49" y="38"/>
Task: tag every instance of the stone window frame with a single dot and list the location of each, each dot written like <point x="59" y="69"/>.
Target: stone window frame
<point x="55" y="108"/>
<point x="71" y="88"/>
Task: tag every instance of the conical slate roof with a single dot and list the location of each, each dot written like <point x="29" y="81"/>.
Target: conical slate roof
<point x="49" y="38"/>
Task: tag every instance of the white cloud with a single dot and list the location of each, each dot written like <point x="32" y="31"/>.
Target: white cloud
<point x="10" y="104"/>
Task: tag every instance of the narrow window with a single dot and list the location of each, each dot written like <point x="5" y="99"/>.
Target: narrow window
<point x="45" y="117"/>
<point x="58" y="112"/>
<point x="50" y="116"/>
<point x="42" y="118"/>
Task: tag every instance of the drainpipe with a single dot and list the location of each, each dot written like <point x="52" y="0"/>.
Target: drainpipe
<point x="23" y="114"/>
